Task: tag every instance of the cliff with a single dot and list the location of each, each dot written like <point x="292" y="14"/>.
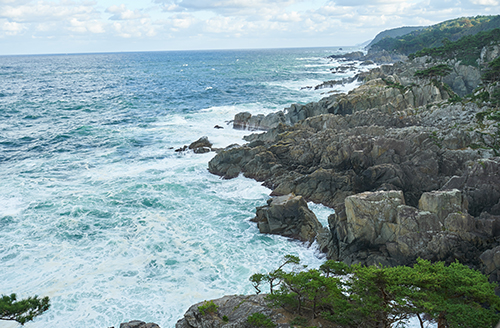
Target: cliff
<point x="398" y="133"/>
<point x="410" y="165"/>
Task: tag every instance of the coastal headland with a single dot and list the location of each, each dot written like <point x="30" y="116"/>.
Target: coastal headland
<point x="409" y="160"/>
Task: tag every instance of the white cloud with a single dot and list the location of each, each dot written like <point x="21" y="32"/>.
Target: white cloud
<point x="485" y="2"/>
<point x="46" y="11"/>
<point x="289" y="17"/>
<point x="12" y="28"/>
<point x="86" y="26"/>
<point x="217" y="23"/>
<point x="122" y="13"/>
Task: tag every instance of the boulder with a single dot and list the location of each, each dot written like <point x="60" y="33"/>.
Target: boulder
<point x="247" y="121"/>
<point x="442" y="203"/>
<point x="138" y="324"/>
<point x="288" y="216"/>
<point x="232" y="312"/>
<point x="203" y="142"/>
<point x="491" y="263"/>
<point x="371" y="216"/>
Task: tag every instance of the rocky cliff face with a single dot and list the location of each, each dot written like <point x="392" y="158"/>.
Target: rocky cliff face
<point x="409" y="173"/>
<point x="389" y="88"/>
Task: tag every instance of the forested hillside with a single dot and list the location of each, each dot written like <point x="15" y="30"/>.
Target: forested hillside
<point x="437" y="35"/>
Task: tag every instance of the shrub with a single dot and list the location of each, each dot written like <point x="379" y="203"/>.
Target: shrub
<point x="208" y="307"/>
<point x="260" y="320"/>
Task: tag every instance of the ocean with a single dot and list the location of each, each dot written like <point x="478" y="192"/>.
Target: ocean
<point x="98" y="211"/>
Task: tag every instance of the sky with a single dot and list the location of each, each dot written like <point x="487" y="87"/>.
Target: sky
<point x="86" y="26"/>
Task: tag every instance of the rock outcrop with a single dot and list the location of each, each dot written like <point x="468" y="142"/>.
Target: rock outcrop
<point x="378" y="227"/>
<point x="288" y="216"/>
<point x="395" y="141"/>
<point x="231" y="312"/>
<point x="138" y="324"/>
<point x="200" y="146"/>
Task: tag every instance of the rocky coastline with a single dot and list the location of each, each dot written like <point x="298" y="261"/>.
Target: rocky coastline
<point x="410" y="171"/>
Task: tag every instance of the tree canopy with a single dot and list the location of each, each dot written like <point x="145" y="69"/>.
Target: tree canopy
<point x="24" y="310"/>
<point x="437" y="35"/>
<point x="376" y="296"/>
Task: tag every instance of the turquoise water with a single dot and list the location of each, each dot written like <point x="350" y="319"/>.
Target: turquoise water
<point x="97" y="210"/>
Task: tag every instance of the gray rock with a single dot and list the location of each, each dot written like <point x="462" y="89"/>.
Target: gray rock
<point x="235" y="309"/>
<point x="442" y="203"/>
<point x="288" y="216"/>
<point x="247" y="121"/>
<point x="371" y="217"/>
<point x="138" y="324"/>
<point x="203" y="142"/>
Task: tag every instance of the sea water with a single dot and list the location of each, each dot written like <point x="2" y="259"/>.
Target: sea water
<point x="98" y="211"/>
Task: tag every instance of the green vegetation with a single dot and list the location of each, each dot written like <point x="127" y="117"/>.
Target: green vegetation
<point x="467" y="49"/>
<point x="24" y="310"/>
<point x="372" y="296"/>
<point x="260" y="320"/>
<point x="274" y="278"/>
<point x="438" y="35"/>
<point x="492" y="73"/>
<point x="395" y="85"/>
<point x="299" y="321"/>
<point x="208" y="307"/>
<point x="433" y="72"/>
<point x="394" y="33"/>
<point x="225" y="318"/>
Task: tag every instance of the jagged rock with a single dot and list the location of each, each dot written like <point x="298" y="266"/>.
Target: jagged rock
<point x="491" y="263"/>
<point x="394" y="134"/>
<point x="371" y="217"/>
<point x="247" y="121"/>
<point x="138" y="324"/>
<point x="288" y="216"/>
<point x="442" y="203"/>
<point x="481" y="185"/>
<point x="235" y="308"/>
<point x="201" y="143"/>
<point x="200" y="146"/>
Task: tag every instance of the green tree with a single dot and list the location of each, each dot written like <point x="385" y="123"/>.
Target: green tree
<point x="454" y="295"/>
<point x="24" y="310"/>
<point x="374" y="296"/>
<point x="492" y="73"/>
<point x="275" y="277"/>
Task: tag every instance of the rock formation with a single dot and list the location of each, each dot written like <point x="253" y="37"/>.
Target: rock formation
<point x="200" y="146"/>
<point x="409" y="172"/>
<point x="288" y="216"/>
<point x="231" y="312"/>
<point x="138" y="324"/>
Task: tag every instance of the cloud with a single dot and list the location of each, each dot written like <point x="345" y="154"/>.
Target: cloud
<point x="485" y="2"/>
<point x="86" y="26"/>
<point x="11" y="28"/>
<point x="225" y="7"/>
<point x="46" y="11"/>
<point x="122" y="13"/>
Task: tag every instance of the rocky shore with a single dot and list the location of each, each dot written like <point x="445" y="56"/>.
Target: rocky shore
<point x="411" y="170"/>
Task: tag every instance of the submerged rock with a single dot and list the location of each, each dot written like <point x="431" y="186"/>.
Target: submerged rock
<point x="200" y="146"/>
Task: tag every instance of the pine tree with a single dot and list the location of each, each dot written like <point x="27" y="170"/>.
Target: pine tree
<point x="24" y="310"/>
